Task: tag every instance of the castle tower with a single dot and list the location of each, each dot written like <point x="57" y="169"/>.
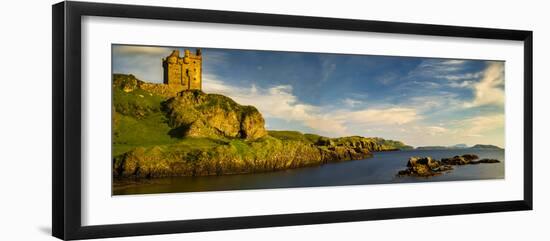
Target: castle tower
<point x="184" y="71"/>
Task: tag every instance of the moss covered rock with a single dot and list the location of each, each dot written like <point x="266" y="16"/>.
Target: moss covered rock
<point x="197" y="114"/>
<point x="228" y="157"/>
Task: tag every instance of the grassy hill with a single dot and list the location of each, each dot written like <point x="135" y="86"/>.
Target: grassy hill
<point x="160" y="130"/>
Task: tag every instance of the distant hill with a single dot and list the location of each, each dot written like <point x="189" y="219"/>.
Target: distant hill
<point x="433" y="148"/>
<point x="480" y="146"/>
<point x="459" y="146"/>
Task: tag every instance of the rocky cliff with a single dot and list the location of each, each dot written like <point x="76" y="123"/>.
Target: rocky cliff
<point x="196" y="114"/>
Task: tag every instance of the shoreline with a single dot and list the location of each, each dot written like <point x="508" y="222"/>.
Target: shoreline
<point x="383" y="168"/>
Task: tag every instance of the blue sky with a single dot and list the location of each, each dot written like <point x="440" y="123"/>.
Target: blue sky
<point x="421" y="101"/>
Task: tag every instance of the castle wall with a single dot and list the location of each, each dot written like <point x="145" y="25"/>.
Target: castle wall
<point x="185" y="71"/>
<point x="195" y="74"/>
<point x="173" y="74"/>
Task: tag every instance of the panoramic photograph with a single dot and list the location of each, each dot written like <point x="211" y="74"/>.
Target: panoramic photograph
<point x="193" y="119"/>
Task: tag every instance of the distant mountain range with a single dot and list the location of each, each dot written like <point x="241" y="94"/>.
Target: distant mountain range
<point x="459" y="146"/>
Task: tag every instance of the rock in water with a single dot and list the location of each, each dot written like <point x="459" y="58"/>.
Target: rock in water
<point x="460" y="160"/>
<point x="470" y="157"/>
<point x="486" y="161"/>
<point x="424" y="167"/>
<point x="417" y="161"/>
<point x="427" y="167"/>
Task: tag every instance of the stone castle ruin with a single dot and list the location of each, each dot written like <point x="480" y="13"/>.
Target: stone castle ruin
<point x="183" y="71"/>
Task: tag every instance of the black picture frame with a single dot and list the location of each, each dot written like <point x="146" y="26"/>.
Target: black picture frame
<point x="66" y="61"/>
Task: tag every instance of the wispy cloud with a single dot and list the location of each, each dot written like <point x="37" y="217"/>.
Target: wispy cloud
<point x="279" y="102"/>
<point x="387" y="116"/>
<point x="490" y="90"/>
<point x="138" y="50"/>
<point x="327" y="69"/>
<point x="461" y="84"/>
<point x="465" y="76"/>
<point x="438" y="67"/>
<point x="435" y="130"/>
<point x="349" y="102"/>
<point x="477" y="126"/>
<point x="388" y="78"/>
<point x="453" y="62"/>
<point x="452" y="71"/>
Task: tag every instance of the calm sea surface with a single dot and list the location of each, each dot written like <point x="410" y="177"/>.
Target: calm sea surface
<point x="382" y="168"/>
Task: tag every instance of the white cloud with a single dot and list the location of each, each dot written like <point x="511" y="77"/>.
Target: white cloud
<point x="466" y="76"/>
<point x="435" y="101"/>
<point x="435" y="130"/>
<point x="130" y="50"/>
<point x="453" y="62"/>
<point x="462" y="84"/>
<point x="436" y="67"/>
<point x="477" y="126"/>
<point x="427" y="84"/>
<point x="388" y="116"/>
<point x="485" y="129"/>
<point x="279" y="102"/>
<point x="446" y="69"/>
<point x="351" y="102"/>
<point x="325" y="124"/>
<point x="489" y="91"/>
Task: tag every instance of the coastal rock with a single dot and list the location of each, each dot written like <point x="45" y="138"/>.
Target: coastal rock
<point x="470" y="157"/>
<point x="427" y="167"/>
<point x="233" y="157"/>
<point x="424" y="167"/>
<point x="460" y="160"/>
<point x="252" y="124"/>
<point x="486" y="160"/>
<point x="422" y="161"/>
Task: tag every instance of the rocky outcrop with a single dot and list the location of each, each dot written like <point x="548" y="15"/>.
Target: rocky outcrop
<point x="195" y="114"/>
<point x="424" y="167"/>
<point x="427" y="167"/>
<point x="191" y="113"/>
<point x="485" y="160"/>
<point x="459" y="160"/>
<point x="129" y="83"/>
<point x="233" y="157"/>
